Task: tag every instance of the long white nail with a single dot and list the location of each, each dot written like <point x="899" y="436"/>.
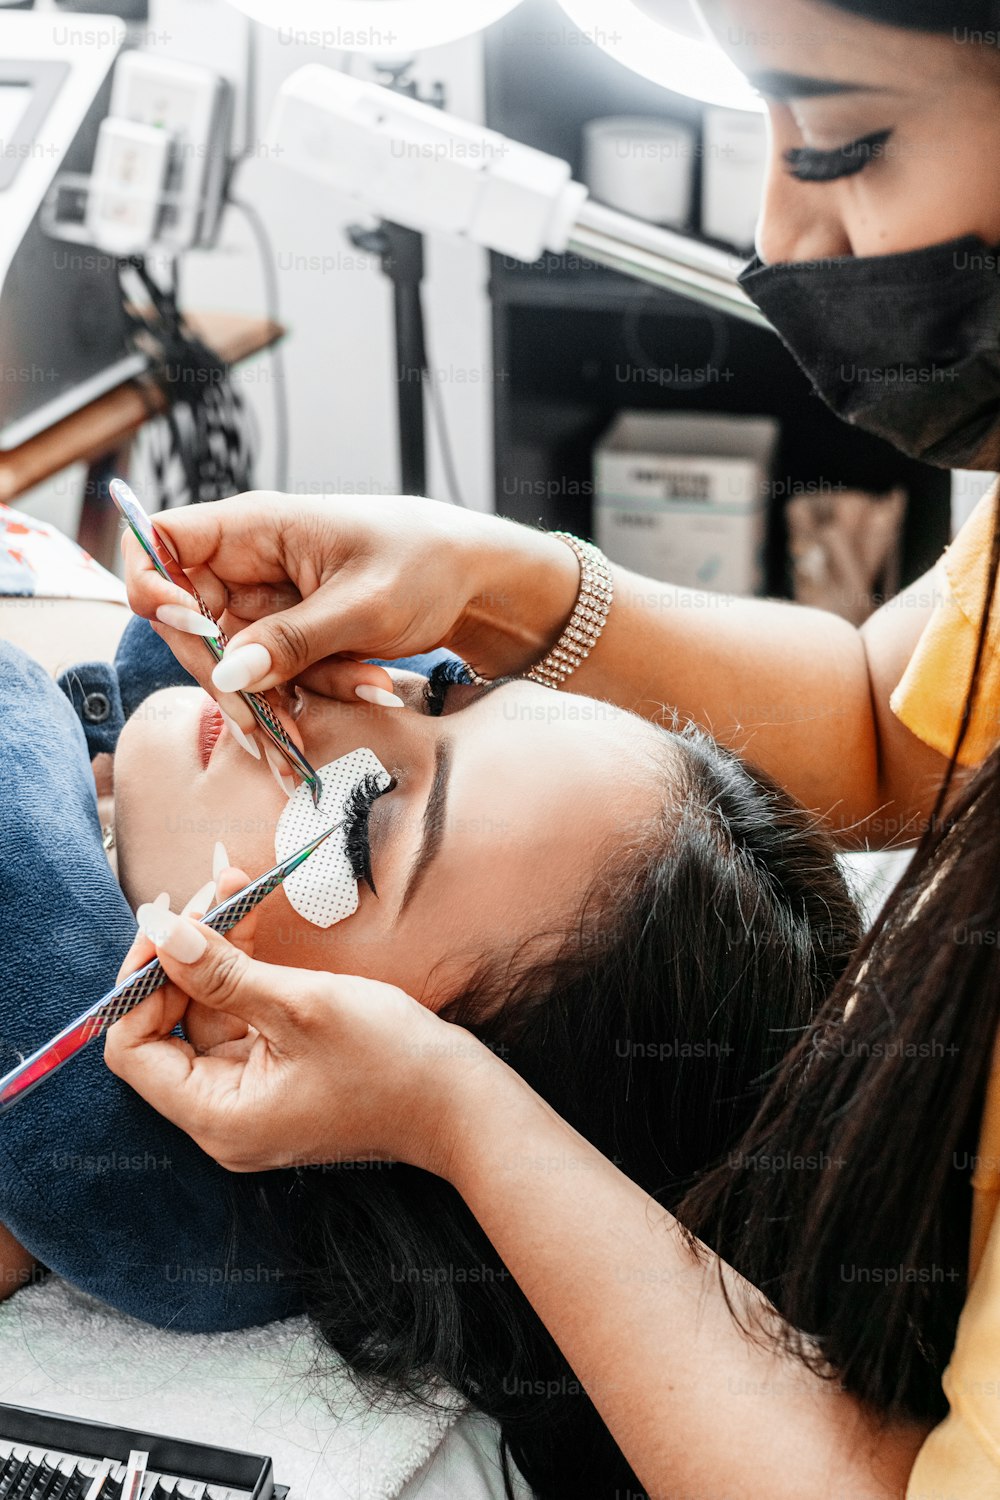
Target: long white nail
<point x="378" y="696"/>
<point x="179" y="617"/>
<point x="281" y="773"/>
<point x="241" y="666"/>
<point x="245" y="741"/>
<point x="182" y="940"/>
<point x="152" y="917"/>
<point x="202" y="901"/>
<point x="220" y="859"/>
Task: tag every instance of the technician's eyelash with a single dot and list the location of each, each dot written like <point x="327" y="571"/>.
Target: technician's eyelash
<point x="440" y="680"/>
<point x="363" y="799"/>
<point x="809" y="165"/>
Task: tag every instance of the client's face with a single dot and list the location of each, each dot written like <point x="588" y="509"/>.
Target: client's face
<point x="528" y="792"/>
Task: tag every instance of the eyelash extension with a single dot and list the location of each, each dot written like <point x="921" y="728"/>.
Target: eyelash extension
<point x="363" y="799"/>
<point x="809" y="165"/>
<point x="440" y="680"/>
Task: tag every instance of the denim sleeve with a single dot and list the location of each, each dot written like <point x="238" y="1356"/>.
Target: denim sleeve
<point x="96" y="1184"/>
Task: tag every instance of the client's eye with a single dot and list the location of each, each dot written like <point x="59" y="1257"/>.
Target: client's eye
<point x="363" y="799"/>
<point x="442" y="677"/>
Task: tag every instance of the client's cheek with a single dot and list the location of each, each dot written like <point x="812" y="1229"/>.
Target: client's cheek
<point x="284" y="938"/>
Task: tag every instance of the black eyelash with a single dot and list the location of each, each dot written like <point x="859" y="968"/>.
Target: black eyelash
<point x="441" y="678"/>
<point x="809" y="165"/>
<point x="363" y="799"/>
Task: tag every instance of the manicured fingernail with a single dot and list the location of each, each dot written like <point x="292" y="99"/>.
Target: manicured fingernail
<point x="281" y="773"/>
<point x="179" y="617"/>
<point x="378" y="696"/>
<point x="151" y="916"/>
<point x="161" y="536"/>
<point x="241" y="666"/>
<point x="220" y="859"/>
<point x="183" y="940"/>
<point x="202" y="901"/>
<point x="245" y="741"/>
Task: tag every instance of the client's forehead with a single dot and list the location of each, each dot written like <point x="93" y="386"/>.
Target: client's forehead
<point x="599" y="734"/>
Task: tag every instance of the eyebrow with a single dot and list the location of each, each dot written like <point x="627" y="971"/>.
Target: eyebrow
<point x="434" y="819"/>
<point x="778" y="85"/>
<point x="433" y="829"/>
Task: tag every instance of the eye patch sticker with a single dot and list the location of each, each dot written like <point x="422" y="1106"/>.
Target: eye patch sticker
<point x="323" y="890"/>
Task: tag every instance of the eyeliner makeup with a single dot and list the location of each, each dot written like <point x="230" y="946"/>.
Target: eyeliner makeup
<point x="808" y="164"/>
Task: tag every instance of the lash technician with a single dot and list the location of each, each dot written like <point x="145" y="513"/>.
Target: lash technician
<point x="848" y="1343"/>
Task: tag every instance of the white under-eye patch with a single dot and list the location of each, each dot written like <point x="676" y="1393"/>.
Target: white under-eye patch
<point x="323" y="890"/>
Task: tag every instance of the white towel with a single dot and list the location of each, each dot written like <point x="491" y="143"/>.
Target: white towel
<point x="255" y="1390"/>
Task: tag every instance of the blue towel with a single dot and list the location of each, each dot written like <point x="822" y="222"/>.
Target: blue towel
<point x="92" y="1181"/>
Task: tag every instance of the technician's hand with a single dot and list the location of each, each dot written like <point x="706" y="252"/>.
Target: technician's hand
<point x="203" y="1026"/>
<point x="328" y="1068"/>
<point x="308" y="587"/>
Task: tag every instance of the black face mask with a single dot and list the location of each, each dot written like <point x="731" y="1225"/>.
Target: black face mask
<point x="905" y="346"/>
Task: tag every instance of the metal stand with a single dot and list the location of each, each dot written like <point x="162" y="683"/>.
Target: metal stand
<point x="664" y="258"/>
<point x="402" y="255"/>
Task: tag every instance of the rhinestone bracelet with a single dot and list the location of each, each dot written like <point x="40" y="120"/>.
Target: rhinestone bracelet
<point x="593" y="604"/>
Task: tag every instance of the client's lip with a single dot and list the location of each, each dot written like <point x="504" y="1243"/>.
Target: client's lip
<point x="210" y="726"/>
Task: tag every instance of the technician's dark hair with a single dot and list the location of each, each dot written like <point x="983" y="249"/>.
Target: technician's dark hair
<point x="864" y="1248"/>
<point x="955" y="17"/>
<point x="863" y="1244"/>
<point x="698" y="958"/>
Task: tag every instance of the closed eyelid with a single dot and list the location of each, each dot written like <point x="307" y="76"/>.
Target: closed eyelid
<point x="389" y="815"/>
<point x="434" y="820"/>
<point x="480" y="692"/>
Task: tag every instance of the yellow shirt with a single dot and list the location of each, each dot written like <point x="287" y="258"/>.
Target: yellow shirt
<point x="930" y="698"/>
<point x="961" y="1458"/>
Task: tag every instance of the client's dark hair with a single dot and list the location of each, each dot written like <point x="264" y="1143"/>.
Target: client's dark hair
<point x="862" y="1243"/>
<point x="698" y="958"/>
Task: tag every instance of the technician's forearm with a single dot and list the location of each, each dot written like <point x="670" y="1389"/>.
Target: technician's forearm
<point x="799" y="691"/>
<point x="697" y="1408"/>
<point x="785" y="686"/>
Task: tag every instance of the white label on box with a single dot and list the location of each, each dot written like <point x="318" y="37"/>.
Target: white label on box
<point x="723" y="484"/>
<point x="698" y="523"/>
<point x="703" y="551"/>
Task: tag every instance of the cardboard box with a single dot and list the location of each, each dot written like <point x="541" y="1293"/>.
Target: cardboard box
<point x="683" y="497"/>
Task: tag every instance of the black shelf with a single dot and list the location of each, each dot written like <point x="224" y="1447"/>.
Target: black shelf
<point x="574" y="343"/>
